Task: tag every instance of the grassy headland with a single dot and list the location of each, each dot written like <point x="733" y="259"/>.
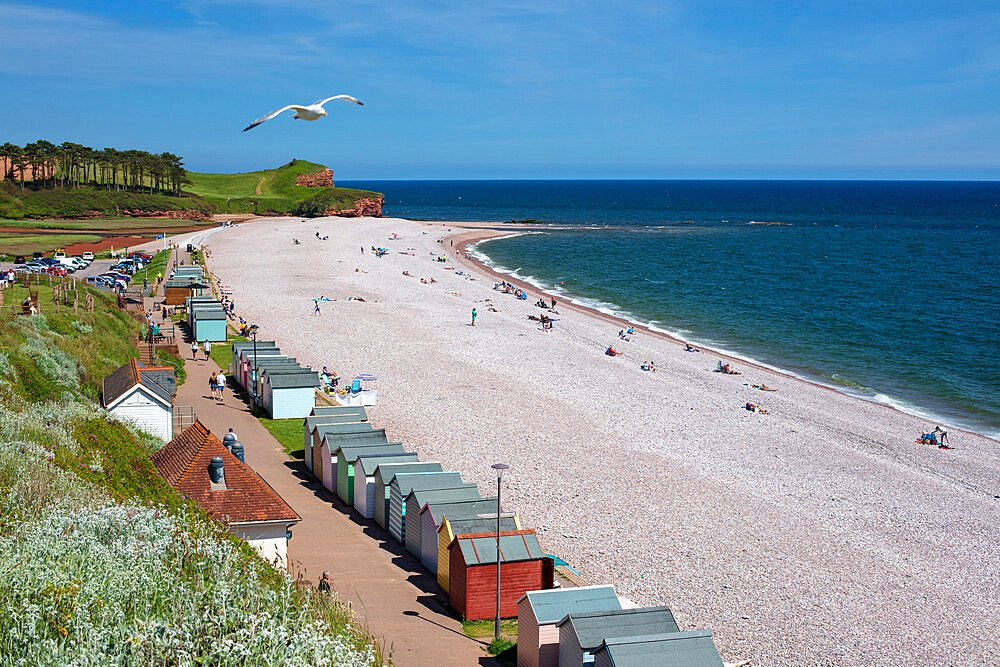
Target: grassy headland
<point x="104" y="561"/>
<point x="273" y="191"/>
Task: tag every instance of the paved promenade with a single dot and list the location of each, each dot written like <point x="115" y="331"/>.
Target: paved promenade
<point x="389" y="590"/>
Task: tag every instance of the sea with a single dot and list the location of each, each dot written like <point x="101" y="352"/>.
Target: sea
<point x="888" y="290"/>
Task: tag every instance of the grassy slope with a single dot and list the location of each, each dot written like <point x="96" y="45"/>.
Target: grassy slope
<point x="237" y="193"/>
<point x="101" y="224"/>
<point x="83" y="202"/>
<point x="25" y="244"/>
<point x="106" y="585"/>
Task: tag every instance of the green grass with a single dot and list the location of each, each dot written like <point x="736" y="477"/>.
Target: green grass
<point x="286" y="431"/>
<point x="102" y="224"/>
<point x="25" y="244"/>
<point x="84" y="202"/>
<point x="101" y="341"/>
<point x="484" y="628"/>
<point x="222" y="353"/>
<point x="237" y="193"/>
<point x="167" y="359"/>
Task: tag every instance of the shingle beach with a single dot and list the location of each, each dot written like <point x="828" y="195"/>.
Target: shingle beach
<point x="819" y="533"/>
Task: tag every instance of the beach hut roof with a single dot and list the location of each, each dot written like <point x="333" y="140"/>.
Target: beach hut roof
<point x="344" y="418"/>
<point x="422" y="496"/>
<point x="293" y="380"/>
<point x="460" y="509"/>
<point x="324" y="429"/>
<point x="351" y="454"/>
<point x="368" y="463"/>
<point x="387" y="471"/>
<point x="553" y="605"/>
<point x="691" y="649"/>
<point x="408" y="482"/>
<point x="240" y="344"/>
<point x="209" y="315"/>
<point x="592" y="627"/>
<point x="471" y="526"/>
<point x="481" y="548"/>
<point x="321" y="410"/>
<point x="372" y="439"/>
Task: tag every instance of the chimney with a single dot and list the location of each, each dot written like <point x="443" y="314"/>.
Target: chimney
<point x="216" y="474"/>
<point x="228" y="440"/>
<point x="237" y="450"/>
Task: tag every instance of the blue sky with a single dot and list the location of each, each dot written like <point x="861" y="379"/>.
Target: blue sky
<point x="518" y="88"/>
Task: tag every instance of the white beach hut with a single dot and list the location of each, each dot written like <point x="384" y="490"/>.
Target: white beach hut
<point x="364" y="479"/>
<point x="383" y="479"/>
<point x="415" y="502"/>
<point x="320" y="415"/>
<point x="289" y="394"/>
<point x="401" y="486"/>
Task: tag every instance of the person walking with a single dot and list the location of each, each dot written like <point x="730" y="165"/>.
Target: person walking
<point x="324" y="583"/>
<point x="316" y="307"/>
<point x="208" y="349"/>
<point x="473" y="317"/>
<point x="194" y="350"/>
<point x="212" y="385"/>
<point x="220" y="382"/>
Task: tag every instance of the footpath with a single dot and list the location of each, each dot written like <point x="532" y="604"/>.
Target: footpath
<point x="389" y="590"/>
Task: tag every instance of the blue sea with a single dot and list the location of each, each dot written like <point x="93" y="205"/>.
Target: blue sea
<point x="889" y="290"/>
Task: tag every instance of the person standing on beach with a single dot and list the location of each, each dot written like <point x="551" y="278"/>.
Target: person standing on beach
<point x="473" y="317"/>
<point x="362" y="250"/>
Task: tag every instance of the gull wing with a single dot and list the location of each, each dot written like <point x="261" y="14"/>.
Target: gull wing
<point x="338" y="97"/>
<point x="271" y="115"/>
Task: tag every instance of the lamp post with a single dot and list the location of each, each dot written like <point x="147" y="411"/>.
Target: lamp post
<point x="499" y="468"/>
<point x="253" y="334"/>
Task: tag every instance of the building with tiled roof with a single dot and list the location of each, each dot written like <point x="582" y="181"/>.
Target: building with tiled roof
<point x="199" y="466"/>
<point x="143" y="396"/>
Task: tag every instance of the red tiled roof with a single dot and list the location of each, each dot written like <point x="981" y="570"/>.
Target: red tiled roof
<point x="183" y="463"/>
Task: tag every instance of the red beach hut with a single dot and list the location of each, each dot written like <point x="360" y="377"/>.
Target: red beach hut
<point x="473" y="572"/>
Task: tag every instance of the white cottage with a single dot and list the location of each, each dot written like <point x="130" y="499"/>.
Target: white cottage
<point x="198" y="465"/>
<point x="142" y="396"/>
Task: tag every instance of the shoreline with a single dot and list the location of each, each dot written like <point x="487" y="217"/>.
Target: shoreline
<point x="817" y="533"/>
<point x="465" y="239"/>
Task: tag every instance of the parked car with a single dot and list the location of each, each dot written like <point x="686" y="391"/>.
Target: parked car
<point x="38" y="255"/>
<point x="89" y="256"/>
<point x="55" y="271"/>
<point x="58" y="254"/>
<point x="19" y="259"/>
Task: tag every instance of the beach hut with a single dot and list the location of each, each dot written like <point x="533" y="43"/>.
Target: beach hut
<point x="451" y="527"/>
<point x="383" y="479"/>
<point x="181" y="287"/>
<point x="243" y="354"/>
<point x="364" y="480"/>
<point x="418" y="498"/>
<point x="141" y="396"/>
<point x="209" y="324"/>
<point x="581" y="634"/>
<point x="473" y="570"/>
<point x="432" y="514"/>
<point x="346" y="456"/>
<point x="318" y="432"/>
<point x="401" y="486"/>
<point x="674" y="649"/>
<point x="289" y="394"/>
<point x="255" y="365"/>
<point x="538" y="612"/>
<point x="332" y="443"/>
<point x="315" y="419"/>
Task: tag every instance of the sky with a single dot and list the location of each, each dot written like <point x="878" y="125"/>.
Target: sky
<point x="518" y="88"/>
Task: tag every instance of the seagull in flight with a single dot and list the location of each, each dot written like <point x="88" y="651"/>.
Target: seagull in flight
<point x="312" y="112"/>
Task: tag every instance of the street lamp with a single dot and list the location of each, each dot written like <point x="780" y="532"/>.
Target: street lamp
<point x="253" y="334"/>
<point x="498" y="468"/>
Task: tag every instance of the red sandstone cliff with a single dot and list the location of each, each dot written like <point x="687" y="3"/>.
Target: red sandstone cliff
<point x="317" y="179"/>
<point x="364" y="207"/>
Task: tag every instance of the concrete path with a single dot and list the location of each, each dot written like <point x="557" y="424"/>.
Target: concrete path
<point x="391" y="593"/>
